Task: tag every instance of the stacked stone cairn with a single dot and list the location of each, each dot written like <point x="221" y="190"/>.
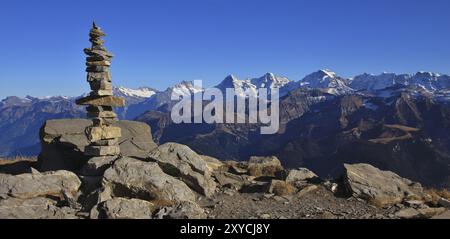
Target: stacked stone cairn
<point x="103" y="136"/>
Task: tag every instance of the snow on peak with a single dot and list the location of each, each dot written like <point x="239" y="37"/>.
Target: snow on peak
<point x="270" y="81"/>
<point x="141" y="92"/>
<point x="185" y="88"/>
<point x="328" y="80"/>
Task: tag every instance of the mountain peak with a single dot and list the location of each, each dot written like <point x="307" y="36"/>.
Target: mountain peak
<point x="141" y="92"/>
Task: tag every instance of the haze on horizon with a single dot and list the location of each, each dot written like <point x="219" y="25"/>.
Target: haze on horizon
<point x="159" y="43"/>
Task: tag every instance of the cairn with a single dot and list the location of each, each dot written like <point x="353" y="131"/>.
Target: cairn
<point x="103" y="136"/>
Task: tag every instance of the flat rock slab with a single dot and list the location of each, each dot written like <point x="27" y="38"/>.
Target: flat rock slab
<point x="30" y="185"/>
<point x="34" y="208"/>
<point x="132" y="178"/>
<point x="380" y="187"/>
<point x="102" y="101"/>
<point x="64" y="142"/>
<point x="122" y="208"/>
<point x="180" y="161"/>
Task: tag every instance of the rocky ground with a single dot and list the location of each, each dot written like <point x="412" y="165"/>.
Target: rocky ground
<point x="172" y="181"/>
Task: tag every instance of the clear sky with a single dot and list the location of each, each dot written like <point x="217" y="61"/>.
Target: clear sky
<point x="160" y="42"/>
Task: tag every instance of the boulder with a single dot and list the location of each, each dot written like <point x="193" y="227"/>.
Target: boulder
<point x="180" y="161"/>
<point x="280" y="188"/>
<point x="212" y="163"/>
<point x="64" y="142"/>
<point x="379" y="187"/>
<point x="264" y="166"/>
<point x="30" y="185"/>
<point x="132" y="178"/>
<point x="122" y="208"/>
<point x="34" y="208"/>
<point x="229" y="180"/>
<point x="300" y="174"/>
<point x="96" y="166"/>
<point x="444" y="202"/>
<point x="182" y="210"/>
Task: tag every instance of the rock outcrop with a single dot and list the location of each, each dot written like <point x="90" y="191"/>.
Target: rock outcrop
<point x="30" y="185"/>
<point x="122" y="208"/>
<point x="133" y="178"/>
<point x="64" y="142"/>
<point x="180" y="161"/>
<point x="380" y="187"/>
<point x="264" y="166"/>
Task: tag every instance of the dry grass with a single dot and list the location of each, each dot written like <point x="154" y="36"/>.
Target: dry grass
<point x="5" y="161"/>
<point x="268" y="171"/>
<point x="281" y="188"/>
<point x="436" y="194"/>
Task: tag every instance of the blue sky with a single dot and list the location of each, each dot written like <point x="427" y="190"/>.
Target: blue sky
<point x="158" y="43"/>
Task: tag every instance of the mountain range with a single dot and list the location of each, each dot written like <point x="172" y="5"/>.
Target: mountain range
<point x="399" y="122"/>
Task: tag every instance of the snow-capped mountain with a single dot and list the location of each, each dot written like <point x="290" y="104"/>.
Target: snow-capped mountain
<point x="426" y="80"/>
<point x="371" y="82"/>
<point x="268" y="81"/>
<point x="161" y="98"/>
<point x="327" y="80"/>
<point x="141" y="92"/>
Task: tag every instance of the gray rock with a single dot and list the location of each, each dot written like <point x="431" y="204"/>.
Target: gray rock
<point x="132" y="178"/>
<point x="96" y="166"/>
<point x="212" y="163"/>
<point x="122" y="208"/>
<point x="444" y="202"/>
<point x="182" y="210"/>
<point x="34" y="208"/>
<point x="408" y="213"/>
<point x="180" y="161"/>
<point x="36" y="185"/>
<point x="379" y="187"/>
<point x="444" y="215"/>
<point x="264" y="166"/>
<point x="64" y="141"/>
<point x="300" y="174"/>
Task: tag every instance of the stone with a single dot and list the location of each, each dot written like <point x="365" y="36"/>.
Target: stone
<point x="132" y="178"/>
<point x="280" y="188"/>
<point x="444" y="202"/>
<point x="102" y="150"/>
<point x="300" y="174"/>
<point x="414" y="203"/>
<point x="106" y="142"/>
<point x="96" y="166"/>
<point x="34" y="208"/>
<point x="103" y="132"/>
<point x="98" y="93"/>
<point x="94" y="52"/>
<point x="212" y="163"/>
<point x="64" y="141"/>
<point x="430" y="212"/>
<point x="101" y="101"/>
<point x="444" y="215"/>
<point x="98" y="76"/>
<point x="122" y="208"/>
<point x="264" y="166"/>
<point x="101" y="85"/>
<point x="180" y="161"/>
<point x="102" y="114"/>
<point x="381" y="188"/>
<point x="182" y="210"/>
<point x="226" y="179"/>
<point x="29" y="185"/>
<point x="98" y="63"/>
<point x="306" y="190"/>
<point x="408" y="213"/>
